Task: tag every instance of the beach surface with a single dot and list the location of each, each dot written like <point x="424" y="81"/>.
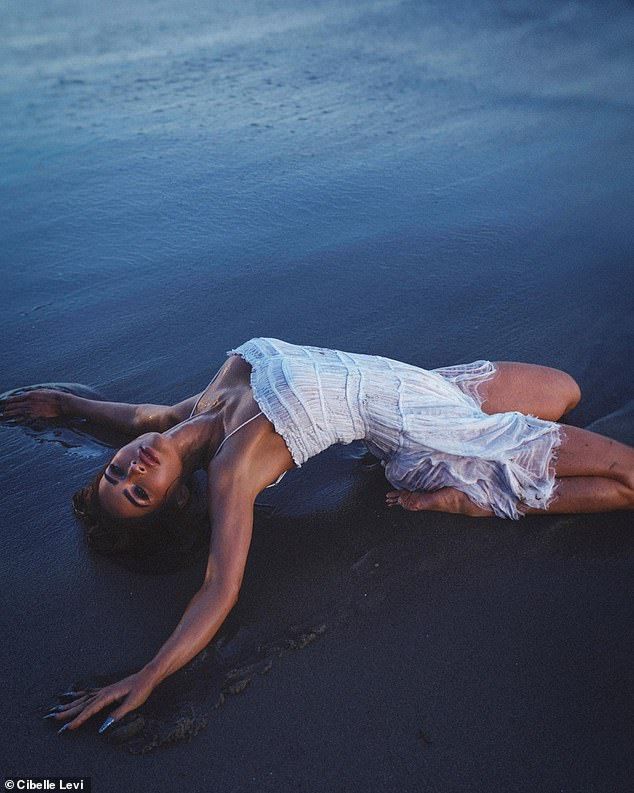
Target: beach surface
<point x="433" y="182"/>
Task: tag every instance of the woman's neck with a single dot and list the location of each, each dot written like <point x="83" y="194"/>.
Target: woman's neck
<point x="197" y="439"/>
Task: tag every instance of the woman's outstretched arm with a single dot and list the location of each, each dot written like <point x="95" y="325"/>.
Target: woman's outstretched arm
<point x="231" y="512"/>
<point x="231" y="507"/>
<point x="43" y="403"/>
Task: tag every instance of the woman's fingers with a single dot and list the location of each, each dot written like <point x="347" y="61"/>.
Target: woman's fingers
<point x="69" y="696"/>
<point x="14" y="400"/>
<point x="133" y="690"/>
<point x="89" y="709"/>
<point x="73" y="703"/>
<point x="42" y="403"/>
<point x="12" y="404"/>
<point x="86" y="703"/>
<point x="14" y="414"/>
<point x="14" y="407"/>
<point x="67" y="712"/>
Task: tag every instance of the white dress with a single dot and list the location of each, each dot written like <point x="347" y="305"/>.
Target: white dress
<point x="425" y="425"/>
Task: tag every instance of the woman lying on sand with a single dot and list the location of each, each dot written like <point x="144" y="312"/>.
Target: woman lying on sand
<point x="476" y="439"/>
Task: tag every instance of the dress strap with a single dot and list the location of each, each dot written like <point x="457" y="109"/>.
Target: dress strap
<point x="203" y="392"/>
<point x="236" y="429"/>
<point x="277" y="481"/>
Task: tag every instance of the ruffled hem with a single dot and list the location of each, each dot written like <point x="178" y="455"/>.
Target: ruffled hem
<point x="543" y="497"/>
<point x="469" y="377"/>
<point x="507" y="485"/>
<point x="253" y="356"/>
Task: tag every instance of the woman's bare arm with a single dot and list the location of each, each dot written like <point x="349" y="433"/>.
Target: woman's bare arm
<point x="135" y="419"/>
<point x="231" y="509"/>
<point x="232" y="521"/>
<point x="120" y="416"/>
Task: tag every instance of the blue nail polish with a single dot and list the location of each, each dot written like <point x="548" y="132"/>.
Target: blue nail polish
<point x="110" y="720"/>
<point x="49" y="716"/>
<point x="65" y="727"/>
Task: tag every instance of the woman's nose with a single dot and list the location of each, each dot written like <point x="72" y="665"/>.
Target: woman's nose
<point x="135" y="465"/>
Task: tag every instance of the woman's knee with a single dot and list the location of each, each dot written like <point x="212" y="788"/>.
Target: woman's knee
<point x="571" y="391"/>
<point x="541" y="391"/>
<point x="568" y="390"/>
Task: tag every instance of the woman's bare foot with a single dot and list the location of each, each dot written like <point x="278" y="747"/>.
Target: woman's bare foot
<point x="447" y="499"/>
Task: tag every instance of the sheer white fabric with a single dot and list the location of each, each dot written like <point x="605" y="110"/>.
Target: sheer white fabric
<point x="426" y="426"/>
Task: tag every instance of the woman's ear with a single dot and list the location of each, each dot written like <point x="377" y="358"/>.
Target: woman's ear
<point x="183" y="495"/>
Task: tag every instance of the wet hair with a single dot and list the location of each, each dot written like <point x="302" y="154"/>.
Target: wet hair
<point x="170" y="537"/>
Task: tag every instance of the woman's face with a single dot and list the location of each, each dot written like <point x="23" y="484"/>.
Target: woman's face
<point x="140" y="477"/>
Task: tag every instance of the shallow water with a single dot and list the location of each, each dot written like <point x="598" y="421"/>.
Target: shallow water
<point x="429" y="181"/>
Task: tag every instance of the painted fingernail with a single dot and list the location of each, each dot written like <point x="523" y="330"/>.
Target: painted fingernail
<point x="65" y="727"/>
<point x="110" y="720"/>
<point x="49" y="716"/>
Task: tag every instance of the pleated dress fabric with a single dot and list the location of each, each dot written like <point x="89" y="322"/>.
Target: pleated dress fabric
<point x="425" y="425"/>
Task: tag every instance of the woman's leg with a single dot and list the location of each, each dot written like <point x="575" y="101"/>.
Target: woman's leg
<point x="593" y="474"/>
<point x="530" y="389"/>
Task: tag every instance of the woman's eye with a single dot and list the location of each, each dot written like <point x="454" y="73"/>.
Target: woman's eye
<point x="140" y="492"/>
<point x="116" y="470"/>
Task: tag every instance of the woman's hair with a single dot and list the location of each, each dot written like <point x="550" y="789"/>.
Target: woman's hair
<point x="171" y="532"/>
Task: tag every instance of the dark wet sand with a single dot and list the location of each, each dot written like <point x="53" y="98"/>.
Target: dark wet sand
<point x="429" y="182"/>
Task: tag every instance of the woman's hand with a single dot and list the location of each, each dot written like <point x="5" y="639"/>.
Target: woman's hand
<point x="40" y="403"/>
<point x="133" y="690"/>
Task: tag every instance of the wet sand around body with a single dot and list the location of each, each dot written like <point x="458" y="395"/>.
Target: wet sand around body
<point x="432" y="182"/>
